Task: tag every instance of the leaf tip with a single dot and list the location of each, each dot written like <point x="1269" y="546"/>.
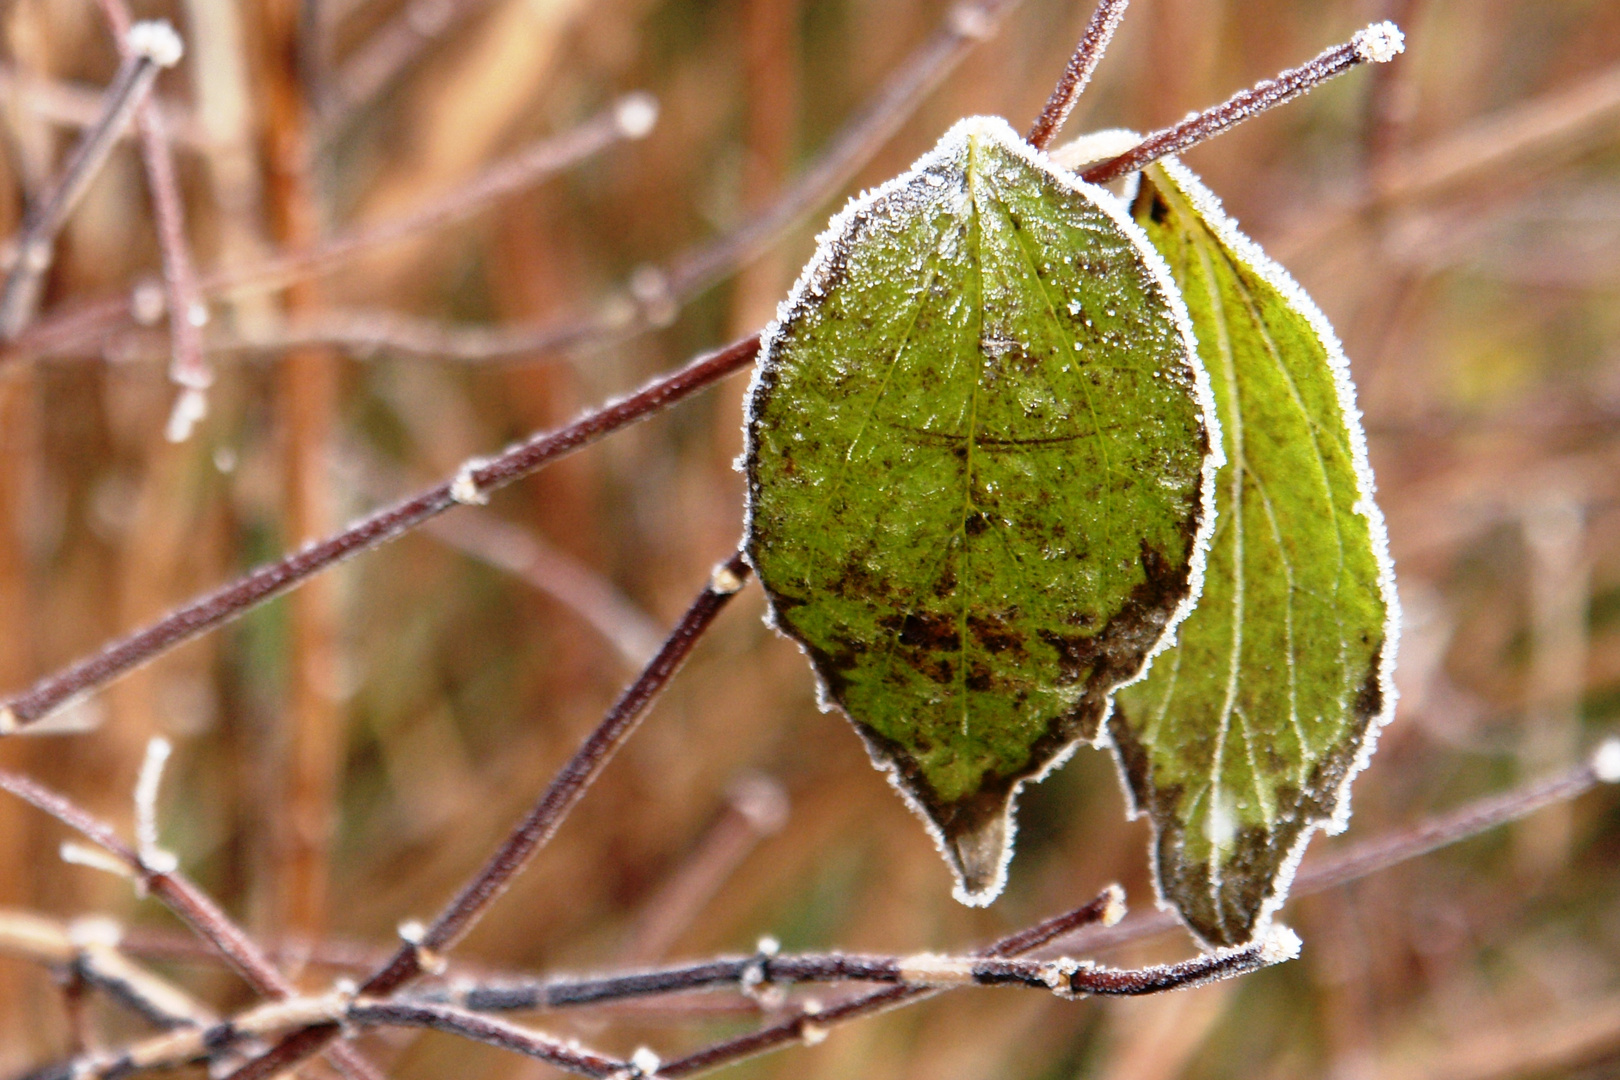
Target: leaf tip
<point x="979" y="853"/>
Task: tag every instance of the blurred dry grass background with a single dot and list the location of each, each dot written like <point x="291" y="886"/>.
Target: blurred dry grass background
<point x="1456" y="214"/>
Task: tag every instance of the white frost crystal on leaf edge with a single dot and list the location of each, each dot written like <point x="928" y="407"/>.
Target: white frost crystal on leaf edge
<point x="807" y="292"/>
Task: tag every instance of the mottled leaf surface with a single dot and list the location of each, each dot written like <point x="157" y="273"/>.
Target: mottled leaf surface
<point x="978" y="463"/>
<point x="1244" y="735"/>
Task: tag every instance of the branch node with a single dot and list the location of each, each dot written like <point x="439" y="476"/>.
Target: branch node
<point x="90" y="931"/>
<point x="1605" y="760"/>
<point x="147" y="784"/>
<point x="1280" y="944"/>
<point x="464" y="488"/>
<point x="155" y="40"/>
<point x="811" y="1033"/>
<point x="756" y="977"/>
<point x="645" y="1063"/>
<point x="412" y="933"/>
<point x="1059" y="975"/>
<point x="635" y="115"/>
<point x="724" y="581"/>
<point x="1379" y="43"/>
<point x="147" y="303"/>
<point x="190" y="409"/>
<point x="1113" y="905"/>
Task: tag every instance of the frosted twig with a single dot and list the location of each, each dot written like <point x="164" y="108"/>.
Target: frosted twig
<point x="631" y="117"/>
<point x="1087" y="55"/>
<point x="272" y="579"/>
<point x="151" y="50"/>
<point x="809" y="1022"/>
<point x="1377" y="44"/>
<point x="186" y="900"/>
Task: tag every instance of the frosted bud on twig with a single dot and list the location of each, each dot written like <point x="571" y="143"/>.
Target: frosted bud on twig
<point x="725" y="580"/>
<point x="147" y="783"/>
<point x="1114" y="907"/>
<point x="971" y="21"/>
<point x="464" y="488"/>
<point x="645" y="1061"/>
<point x="412" y="932"/>
<point x="1379" y="43"/>
<point x="1280" y="944"/>
<point x="636" y="115"/>
<point x="189" y="410"/>
<point x="1606" y="761"/>
<point x="156" y="40"/>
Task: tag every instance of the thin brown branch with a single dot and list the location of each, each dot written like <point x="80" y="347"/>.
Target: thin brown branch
<point x="152" y="49"/>
<point x="1087" y="55"/>
<point x="966" y="25"/>
<point x="423" y="951"/>
<point x="477" y="478"/>
<point x="1377" y="44"/>
<point x="542" y="821"/>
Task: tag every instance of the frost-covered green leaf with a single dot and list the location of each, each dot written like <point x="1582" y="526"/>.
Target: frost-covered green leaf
<point x="979" y="457"/>
<point x="1244" y="736"/>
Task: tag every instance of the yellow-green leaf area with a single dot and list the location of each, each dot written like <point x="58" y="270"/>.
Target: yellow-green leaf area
<point x="1243" y="736"/>
<point x="976" y="462"/>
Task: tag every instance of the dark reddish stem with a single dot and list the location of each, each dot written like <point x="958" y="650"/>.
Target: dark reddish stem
<point x="1376" y="44"/>
<point x="1087" y="55"/>
<point x="226" y="603"/>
